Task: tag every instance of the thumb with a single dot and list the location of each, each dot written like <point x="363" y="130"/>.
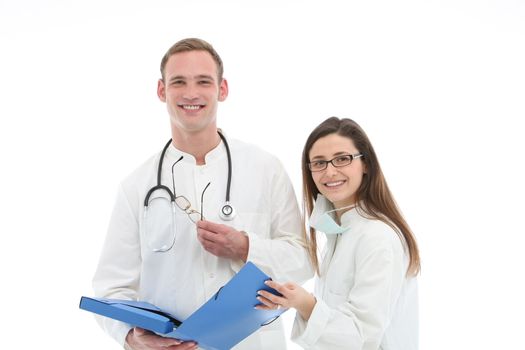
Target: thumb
<point x="139" y="331"/>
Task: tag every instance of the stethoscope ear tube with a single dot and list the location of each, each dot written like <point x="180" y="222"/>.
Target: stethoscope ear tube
<point x="156" y="188"/>
<point x="227" y="211"/>
<point x="159" y="186"/>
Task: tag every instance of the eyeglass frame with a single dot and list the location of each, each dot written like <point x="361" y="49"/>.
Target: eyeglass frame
<point x="187" y="209"/>
<point x="325" y="162"/>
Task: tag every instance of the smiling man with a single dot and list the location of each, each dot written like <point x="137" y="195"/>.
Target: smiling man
<point x="190" y="217"/>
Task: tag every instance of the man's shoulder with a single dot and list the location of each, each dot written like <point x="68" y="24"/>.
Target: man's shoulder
<point x="142" y="172"/>
<point x="253" y="151"/>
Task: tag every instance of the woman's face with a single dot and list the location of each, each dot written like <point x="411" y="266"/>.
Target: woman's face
<point x="338" y="184"/>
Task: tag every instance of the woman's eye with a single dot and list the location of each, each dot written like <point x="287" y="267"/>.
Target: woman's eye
<point x="343" y="159"/>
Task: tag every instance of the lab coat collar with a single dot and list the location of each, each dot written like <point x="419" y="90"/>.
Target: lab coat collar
<point x="349" y="218"/>
<point x="217" y="153"/>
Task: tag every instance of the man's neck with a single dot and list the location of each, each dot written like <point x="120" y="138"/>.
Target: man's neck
<point x="197" y="144"/>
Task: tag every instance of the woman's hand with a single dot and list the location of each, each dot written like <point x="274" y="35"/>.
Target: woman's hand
<point x="292" y="295"/>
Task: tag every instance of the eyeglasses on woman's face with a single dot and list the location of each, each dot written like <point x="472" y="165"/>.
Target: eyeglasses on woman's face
<point x="338" y="162"/>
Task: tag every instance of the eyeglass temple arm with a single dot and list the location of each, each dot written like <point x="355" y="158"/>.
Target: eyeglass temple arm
<point x="173" y="176"/>
<point x="202" y="199"/>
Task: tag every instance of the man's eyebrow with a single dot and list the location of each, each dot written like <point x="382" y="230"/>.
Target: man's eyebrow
<point x="200" y="76"/>
<point x="204" y="76"/>
<point x="177" y="77"/>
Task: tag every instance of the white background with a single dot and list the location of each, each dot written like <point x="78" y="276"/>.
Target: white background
<point x="438" y="85"/>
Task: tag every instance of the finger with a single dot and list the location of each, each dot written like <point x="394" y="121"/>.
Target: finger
<point x="187" y="345"/>
<point x="143" y="333"/>
<point x="213" y="248"/>
<point x="213" y="227"/>
<point x="154" y="341"/>
<point x="209" y="236"/>
<point x="277" y="286"/>
<point x="168" y="342"/>
<point x="272" y="297"/>
<point x="263" y="307"/>
<point x="208" y="243"/>
<point x="272" y="284"/>
<point x="266" y="302"/>
<point x="139" y="331"/>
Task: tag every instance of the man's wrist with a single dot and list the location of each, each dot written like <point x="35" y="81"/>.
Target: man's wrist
<point x="245" y="247"/>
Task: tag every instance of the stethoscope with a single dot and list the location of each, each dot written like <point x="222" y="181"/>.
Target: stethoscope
<point x="227" y="211"/>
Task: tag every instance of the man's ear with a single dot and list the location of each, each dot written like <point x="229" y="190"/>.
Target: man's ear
<point x="223" y="90"/>
<point x="161" y="90"/>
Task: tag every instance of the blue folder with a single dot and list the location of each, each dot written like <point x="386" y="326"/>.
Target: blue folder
<point x="222" y="322"/>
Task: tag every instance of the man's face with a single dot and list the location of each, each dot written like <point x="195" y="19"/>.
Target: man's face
<point x="191" y="91"/>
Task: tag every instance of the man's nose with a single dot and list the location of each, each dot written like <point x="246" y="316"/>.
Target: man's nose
<point x="190" y="91"/>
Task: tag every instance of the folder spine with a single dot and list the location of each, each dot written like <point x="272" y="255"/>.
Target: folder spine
<point x="127" y="314"/>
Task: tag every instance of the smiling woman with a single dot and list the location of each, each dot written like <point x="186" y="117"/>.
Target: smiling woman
<point x="366" y="294"/>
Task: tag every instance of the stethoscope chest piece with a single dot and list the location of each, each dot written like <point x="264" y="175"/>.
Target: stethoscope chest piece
<point x="227" y="212"/>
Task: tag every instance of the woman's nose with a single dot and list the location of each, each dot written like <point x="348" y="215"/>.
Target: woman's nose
<point x="330" y="169"/>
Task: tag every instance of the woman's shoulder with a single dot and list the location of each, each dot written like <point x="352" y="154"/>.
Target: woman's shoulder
<point x="378" y="234"/>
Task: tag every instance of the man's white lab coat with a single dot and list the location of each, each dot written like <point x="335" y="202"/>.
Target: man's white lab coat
<point x="183" y="278"/>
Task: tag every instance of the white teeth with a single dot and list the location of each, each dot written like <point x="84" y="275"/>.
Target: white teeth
<point x="333" y="184"/>
<point x="191" y="107"/>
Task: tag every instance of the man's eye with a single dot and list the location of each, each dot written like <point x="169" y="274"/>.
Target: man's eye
<point x="177" y="82"/>
<point x="205" y="82"/>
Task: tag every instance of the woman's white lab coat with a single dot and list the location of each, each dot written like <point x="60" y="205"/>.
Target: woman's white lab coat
<point x="364" y="299"/>
<point x="182" y="279"/>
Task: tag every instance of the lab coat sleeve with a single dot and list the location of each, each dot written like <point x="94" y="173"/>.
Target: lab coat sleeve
<point x="118" y="271"/>
<point x="283" y="256"/>
<point x="358" y="322"/>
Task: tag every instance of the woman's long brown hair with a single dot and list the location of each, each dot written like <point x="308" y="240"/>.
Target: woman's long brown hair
<point x="373" y="198"/>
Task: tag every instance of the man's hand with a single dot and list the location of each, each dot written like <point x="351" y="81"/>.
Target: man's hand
<point x="141" y="339"/>
<point x="223" y="241"/>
